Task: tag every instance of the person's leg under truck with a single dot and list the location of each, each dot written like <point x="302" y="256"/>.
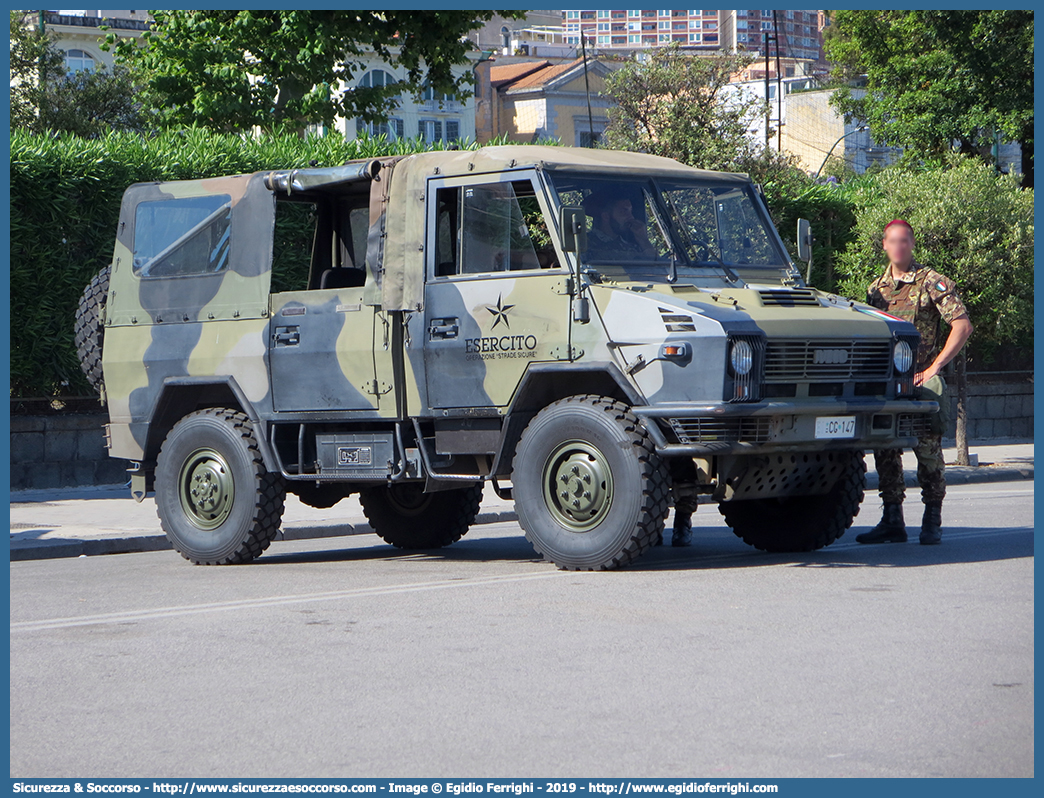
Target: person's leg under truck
<point x="890" y="484"/>
<point x="931" y="468"/>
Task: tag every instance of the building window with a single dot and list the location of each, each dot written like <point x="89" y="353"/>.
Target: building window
<point x="695" y="24"/>
<point x="665" y="37"/>
<point x="603" y="26"/>
<point x="663" y="13"/>
<point x="741" y="37"/>
<point x="391" y="130"/>
<point x="603" y="15"/>
<point x="766" y="25"/>
<point x="78" y="61"/>
<point x="695" y="37"/>
<point x="376" y="78"/>
<point x="633" y="39"/>
<point x="710" y="25"/>
<point x="603" y="40"/>
<point x="430" y="130"/>
<point x="572" y="15"/>
<point x="710" y="38"/>
<point x="665" y="25"/>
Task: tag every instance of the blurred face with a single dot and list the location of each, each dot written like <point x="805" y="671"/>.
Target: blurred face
<point x="898" y="245"/>
<point x="621" y="211"/>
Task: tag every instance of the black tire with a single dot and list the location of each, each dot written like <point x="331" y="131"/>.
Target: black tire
<point x="408" y="518"/>
<point x="89" y="329"/>
<point x="802" y="523"/>
<point x="321" y="496"/>
<point x="216" y="501"/>
<point x="618" y="487"/>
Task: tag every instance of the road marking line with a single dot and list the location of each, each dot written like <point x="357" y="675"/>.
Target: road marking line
<point x="274" y="601"/>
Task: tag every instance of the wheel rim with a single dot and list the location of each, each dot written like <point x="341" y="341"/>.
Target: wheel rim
<point x="206" y="488"/>
<point x="578" y="485"/>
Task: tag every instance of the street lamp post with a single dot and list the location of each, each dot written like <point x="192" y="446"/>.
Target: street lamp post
<point x="849" y="133"/>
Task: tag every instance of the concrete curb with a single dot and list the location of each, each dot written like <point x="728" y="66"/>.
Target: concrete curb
<point x="70" y="547"/>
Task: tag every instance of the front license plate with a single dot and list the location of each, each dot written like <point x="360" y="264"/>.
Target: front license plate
<point x="836" y="427"/>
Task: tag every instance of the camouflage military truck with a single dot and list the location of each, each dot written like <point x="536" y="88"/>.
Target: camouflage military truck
<point x="588" y="330"/>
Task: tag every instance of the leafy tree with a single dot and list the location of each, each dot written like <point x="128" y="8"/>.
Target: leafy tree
<point x="35" y="62"/>
<point x="935" y="77"/>
<point x="92" y="103"/>
<point x="971" y="224"/>
<point x="233" y="70"/>
<point x="675" y="105"/>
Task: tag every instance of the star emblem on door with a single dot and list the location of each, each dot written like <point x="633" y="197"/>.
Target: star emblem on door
<point x="500" y="312"/>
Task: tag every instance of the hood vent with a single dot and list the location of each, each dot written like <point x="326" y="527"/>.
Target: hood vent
<point x="789" y="298"/>
<point x="676" y="322"/>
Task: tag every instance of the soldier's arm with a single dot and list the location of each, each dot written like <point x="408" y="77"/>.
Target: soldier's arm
<point x="960" y="331"/>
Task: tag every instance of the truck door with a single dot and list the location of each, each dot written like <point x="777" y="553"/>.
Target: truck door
<point x="322" y="338"/>
<point x="496" y="294"/>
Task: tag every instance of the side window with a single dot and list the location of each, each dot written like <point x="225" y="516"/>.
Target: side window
<point x="492" y="227"/>
<point x="295" y="226"/>
<point x="184" y="236"/>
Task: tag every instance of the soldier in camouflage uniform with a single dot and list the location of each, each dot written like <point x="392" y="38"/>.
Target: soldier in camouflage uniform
<point x="920" y="295"/>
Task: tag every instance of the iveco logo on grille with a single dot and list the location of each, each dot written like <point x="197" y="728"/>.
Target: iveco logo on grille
<point x="830" y="356"/>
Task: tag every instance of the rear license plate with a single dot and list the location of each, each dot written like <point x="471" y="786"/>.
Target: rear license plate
<point x="836" y="427"/>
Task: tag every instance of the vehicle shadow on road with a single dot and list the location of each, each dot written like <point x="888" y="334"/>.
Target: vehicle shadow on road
<point x="712" y="549"/>
<point x="477" y="549"/>
<point x="960" y="545"/>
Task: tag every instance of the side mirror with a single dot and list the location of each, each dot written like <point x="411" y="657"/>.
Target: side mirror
<point x="573" y="224"/>
<point x="804" y="240"/>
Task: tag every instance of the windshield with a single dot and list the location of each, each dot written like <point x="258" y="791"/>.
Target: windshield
<point x="642" y="223"/>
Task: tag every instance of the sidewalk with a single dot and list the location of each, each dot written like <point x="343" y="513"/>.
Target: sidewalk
<point x="69" y="522"/>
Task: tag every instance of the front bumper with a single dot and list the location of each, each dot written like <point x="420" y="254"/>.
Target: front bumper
<point x="766" y="427"/>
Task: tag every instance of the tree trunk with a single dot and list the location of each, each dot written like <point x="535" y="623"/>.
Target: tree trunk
<point x="961" y="372"/>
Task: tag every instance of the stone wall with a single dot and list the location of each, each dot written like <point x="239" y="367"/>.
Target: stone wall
<point x="58" y="451"/>
<point x="995" y="410"/>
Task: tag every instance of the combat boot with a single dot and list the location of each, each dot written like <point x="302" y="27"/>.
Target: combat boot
<point x="892" y="528"/>
<point x="682" y="530"/>
<point x="931" y="524"/>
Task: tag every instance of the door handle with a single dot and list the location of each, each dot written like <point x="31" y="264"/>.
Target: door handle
<point x="287" y="336"/>
<point x="444" y="328"/>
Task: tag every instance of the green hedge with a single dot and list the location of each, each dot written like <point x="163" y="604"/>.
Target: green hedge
<point x="65" y="203"/>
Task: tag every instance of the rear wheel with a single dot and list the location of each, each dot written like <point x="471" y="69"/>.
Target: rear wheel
<point x="802" y="523"/>
<point x="408" y="518"/>
<point x="217" y="502"/>
<point x="590" y="491"/>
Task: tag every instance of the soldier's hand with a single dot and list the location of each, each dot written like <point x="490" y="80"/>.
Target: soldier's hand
<point x="921" y="377"/>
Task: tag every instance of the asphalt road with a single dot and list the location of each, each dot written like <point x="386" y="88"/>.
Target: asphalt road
<point x="343" y="657"/>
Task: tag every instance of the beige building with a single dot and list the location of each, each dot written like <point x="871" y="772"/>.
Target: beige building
<point x="535" y="100"/>
<point x="80" y="36"/>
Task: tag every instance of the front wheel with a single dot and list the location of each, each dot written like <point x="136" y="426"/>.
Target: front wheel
<point x="216" y="501"/>
<point x="590" y="491"/>
<point x="408" y="518"/>
<point x="802" y="523"/>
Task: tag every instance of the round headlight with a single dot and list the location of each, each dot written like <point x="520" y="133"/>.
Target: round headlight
<point x="742" y="357"/>
<point x="902" y="356"/>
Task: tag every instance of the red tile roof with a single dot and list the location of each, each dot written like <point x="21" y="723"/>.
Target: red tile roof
<point x="499" y="75"/>
<point x="538" y="78"/>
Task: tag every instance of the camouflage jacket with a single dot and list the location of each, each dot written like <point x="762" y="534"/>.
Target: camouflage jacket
<point x="923" y="297"/>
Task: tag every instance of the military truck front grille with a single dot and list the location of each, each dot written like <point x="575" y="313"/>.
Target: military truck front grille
<point x="719" y="430"/>
<point x="789" y="298"/>
<point x="829" y="360"/>
<point x="910" y="425"/>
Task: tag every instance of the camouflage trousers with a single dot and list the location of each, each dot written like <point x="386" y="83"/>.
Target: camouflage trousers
<point x="931" y="472"/>
<point x="686" y="500"/>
